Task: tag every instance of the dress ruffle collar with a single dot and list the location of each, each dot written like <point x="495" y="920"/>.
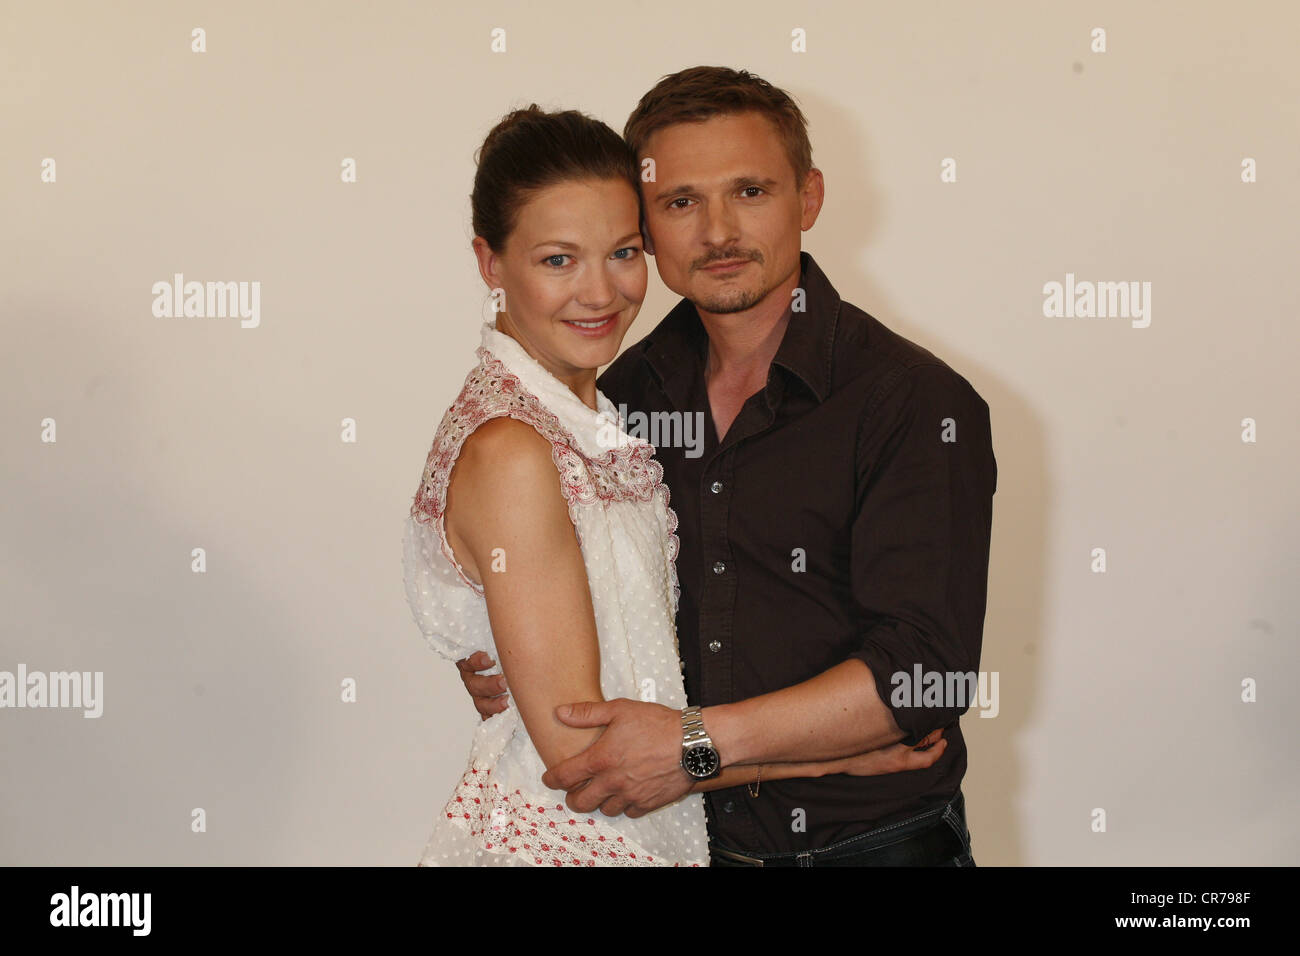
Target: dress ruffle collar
<point x="595" y="430"/>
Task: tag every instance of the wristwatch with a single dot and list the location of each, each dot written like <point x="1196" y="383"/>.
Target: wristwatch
<point x="699" y="757"/>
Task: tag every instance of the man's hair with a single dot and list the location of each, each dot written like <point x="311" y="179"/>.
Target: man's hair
<point x="701" y="92"/>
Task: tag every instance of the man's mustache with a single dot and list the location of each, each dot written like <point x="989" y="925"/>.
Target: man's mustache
<point x="728" y="258"/>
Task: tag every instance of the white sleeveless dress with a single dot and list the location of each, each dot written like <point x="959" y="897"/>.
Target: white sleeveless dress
<point x="500" y="813"/>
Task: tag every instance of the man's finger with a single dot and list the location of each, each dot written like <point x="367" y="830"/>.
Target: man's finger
<point x="614" y="806"/>
<point x="489" y="685"/>
<point x="588" y="798"/>
<point x="586" y="713"/>
<point x="570" y="773"/>
<point x="478" y="661"/>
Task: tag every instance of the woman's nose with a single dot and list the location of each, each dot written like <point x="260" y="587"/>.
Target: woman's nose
<point x="597" y="290"/>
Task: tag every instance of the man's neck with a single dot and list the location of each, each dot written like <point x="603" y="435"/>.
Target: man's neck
<point x="743" y="344"/>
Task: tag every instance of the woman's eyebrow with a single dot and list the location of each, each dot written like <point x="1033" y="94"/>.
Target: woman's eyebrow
<point x="562" y="244"/>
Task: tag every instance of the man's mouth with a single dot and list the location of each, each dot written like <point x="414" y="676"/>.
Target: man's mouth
<point x="727" y="265"/>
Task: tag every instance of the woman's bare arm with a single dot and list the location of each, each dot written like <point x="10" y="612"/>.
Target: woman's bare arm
<point x="510" y="517"/>
<point x="894" y="758"/>
<point x="505" y="511"/>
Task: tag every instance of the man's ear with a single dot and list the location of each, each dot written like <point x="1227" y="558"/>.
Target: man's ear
<point x="646" y="241"/>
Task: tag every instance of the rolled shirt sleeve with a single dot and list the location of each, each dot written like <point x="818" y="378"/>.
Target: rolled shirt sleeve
<point x="919" y="549"/>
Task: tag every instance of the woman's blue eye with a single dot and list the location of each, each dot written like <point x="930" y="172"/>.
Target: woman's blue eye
<point x="550" y="260"/>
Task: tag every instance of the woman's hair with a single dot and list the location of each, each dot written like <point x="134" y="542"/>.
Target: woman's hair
<point x="531" y="149"/>
<point x="700" y="92"/>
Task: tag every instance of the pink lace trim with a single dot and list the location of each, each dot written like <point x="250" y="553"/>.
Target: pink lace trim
<point x="623" y="473"/>
<point x="550" y="834"/>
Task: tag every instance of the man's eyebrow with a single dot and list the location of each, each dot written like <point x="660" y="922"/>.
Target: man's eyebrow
<point x="764" y="181"/>
<point x="560" y="243"/>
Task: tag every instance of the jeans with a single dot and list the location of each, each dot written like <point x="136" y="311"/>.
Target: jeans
<point x="936" y="837"/>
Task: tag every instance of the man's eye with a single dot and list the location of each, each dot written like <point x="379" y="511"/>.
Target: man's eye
<point x="673" y="204"/>
<point x="747" y="188"/>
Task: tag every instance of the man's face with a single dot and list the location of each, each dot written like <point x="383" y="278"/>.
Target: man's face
<point x="724" y="214"/>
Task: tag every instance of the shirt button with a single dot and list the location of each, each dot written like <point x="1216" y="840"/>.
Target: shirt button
<point x="728" y="807"/>
<point x="716" y="487"/>
<point x="715" y="646"/>
<point x="718" y="567"/>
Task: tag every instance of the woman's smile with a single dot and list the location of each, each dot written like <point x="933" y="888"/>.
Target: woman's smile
<point x="594" y="328"/>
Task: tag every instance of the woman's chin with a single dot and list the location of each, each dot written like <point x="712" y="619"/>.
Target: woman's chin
<point x="588" y="352"/>
<point x="596" y="357"/>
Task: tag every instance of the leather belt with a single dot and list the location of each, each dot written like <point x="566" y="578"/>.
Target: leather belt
<point x="938" y="840"/>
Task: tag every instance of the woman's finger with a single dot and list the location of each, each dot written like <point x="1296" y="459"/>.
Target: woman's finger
<point x="920" y="759"/>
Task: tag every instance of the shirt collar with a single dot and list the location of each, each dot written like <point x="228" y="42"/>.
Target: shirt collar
<point x="594" y="430"/>
<point x="677" y="347"/>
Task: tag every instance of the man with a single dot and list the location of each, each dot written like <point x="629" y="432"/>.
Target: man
<point x="834" y="531"/>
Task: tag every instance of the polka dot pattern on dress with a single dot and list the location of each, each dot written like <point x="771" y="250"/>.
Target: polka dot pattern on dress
<point x="500" y="814"/>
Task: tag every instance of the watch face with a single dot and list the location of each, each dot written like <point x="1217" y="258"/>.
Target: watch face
<point x="701" y="761"/>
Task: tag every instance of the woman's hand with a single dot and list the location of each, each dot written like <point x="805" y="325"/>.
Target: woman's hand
<point x="893" y="759"/>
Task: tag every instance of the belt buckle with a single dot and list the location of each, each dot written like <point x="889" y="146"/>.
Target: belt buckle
<point x="733" y="855"/>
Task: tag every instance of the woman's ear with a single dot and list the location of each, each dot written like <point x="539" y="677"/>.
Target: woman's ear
<point x="487" y="265"/>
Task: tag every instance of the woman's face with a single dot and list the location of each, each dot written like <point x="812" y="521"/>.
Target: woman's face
<point x="575" y="257"/>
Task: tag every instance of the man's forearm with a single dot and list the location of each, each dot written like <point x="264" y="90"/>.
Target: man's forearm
<point x="836" y="714"/>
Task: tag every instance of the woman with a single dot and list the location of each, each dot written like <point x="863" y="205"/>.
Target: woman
<point x="541" y="532"/>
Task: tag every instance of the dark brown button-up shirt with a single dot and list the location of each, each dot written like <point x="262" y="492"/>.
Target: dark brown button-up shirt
<point x="846" y="514"/>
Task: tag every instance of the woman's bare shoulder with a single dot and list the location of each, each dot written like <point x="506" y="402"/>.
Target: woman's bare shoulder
<point x="506" y="466"/>
<point x="505" y="446"/>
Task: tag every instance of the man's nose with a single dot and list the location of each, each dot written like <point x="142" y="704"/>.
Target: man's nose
<point x="721" y="224"/>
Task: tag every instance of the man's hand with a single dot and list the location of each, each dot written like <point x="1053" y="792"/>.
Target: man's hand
<point x="634" y="767"/>
<point x="489" y="691"/>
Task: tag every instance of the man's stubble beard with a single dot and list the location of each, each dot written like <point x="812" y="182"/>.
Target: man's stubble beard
<point x="725" y="303"/>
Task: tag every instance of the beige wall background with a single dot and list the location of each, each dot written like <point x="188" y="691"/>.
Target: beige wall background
<point x="1120" y="691"/>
